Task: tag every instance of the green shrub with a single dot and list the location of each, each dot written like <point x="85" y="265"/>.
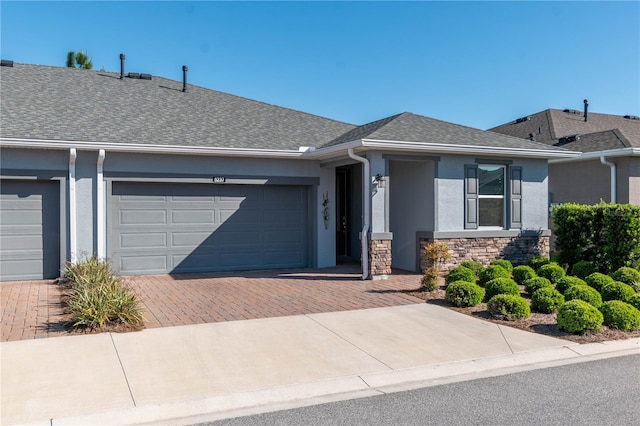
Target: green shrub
<point x="522" y="273"/>
<point x="492" y="272"/>
<point x="501" y="286"/>
<point x="577" y="316"/>
<point x="546" y="300"/>
<point x="474" y="265"/>
<point x="620" y="315"/>
<point x="628" y="276"/>
<point x="537" y="261"/>
<point x="551" y="271"/>
<point x="584" y="292"/>
<point x="430" y="280"/>
<point x="464" y="293"/>
<point x="506" y="264"/>
<point x="508" y="307"/>
<point x="535" y="283"/>
<point x="564" y="283"/>
<point x="598" y="280"/>
<point x="460" y="273"/>
<point x="98" y="297"/>
<point x="617" y="291"/>
<point x="582" y="269"/>
<point x="634" y="301"/>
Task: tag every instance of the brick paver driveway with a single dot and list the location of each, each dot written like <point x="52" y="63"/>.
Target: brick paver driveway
<point x="32" y="309"/>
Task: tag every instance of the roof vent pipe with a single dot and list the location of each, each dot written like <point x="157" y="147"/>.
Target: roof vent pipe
<point x="586" y="107"/>
<point x="184" y="77"/>
<point x="121" y="66"/>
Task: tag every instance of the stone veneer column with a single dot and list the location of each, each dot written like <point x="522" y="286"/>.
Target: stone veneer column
<point x="379" y="259"/>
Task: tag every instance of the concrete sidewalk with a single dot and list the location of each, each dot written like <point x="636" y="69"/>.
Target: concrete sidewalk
<point x="179" y="375"/>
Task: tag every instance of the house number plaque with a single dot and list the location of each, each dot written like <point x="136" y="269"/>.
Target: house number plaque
<point x="219" y="179"/>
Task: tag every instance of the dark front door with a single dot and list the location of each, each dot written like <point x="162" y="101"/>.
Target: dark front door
<point x="343" y="201"/>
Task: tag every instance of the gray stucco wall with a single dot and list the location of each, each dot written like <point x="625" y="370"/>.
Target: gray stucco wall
<point x="583" y="182"/>
<point x="634" y="181"/>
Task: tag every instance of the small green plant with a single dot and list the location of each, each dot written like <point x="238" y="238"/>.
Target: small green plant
<point x="546" y="300"/>
<point x="464" y="293"/>
<point x="492" y="272"/>
<point x="628" y="276"/>
<point x="429" y="280"/>
<point x="617" y="291"/>
<point x="522" y="273"/>
<point x="501" y="286"/>
<point x="634" y="301"/>
<point x="551" y="271"/>
<point x="506" y="264"/>
<point x="460" y="273"/>
<point x="535" y="283"/>
<point x="474" y="265"/>
<point x="598" y="280"/>
<point x="579" y="317"/>
<point x="508" y="307"/>
<point x="582" y="269"/>
<point x="537" y="261"/>
<point x="564" y="283"/>
<point x="584" y="292"/>
<point x="620" y="315"/>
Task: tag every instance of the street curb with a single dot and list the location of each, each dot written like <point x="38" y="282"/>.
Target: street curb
<point x="338" y="389"/>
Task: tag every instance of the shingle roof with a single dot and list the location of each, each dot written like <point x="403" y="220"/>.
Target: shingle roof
<point x="57" y="103"/>
<point x="600" y="132"/>
<point x="408" y="127"/>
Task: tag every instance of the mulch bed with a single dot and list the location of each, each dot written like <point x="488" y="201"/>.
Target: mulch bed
<point x="536" y="323"/>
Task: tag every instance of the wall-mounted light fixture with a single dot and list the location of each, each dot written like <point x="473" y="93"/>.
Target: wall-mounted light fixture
<point x="325" y="209"/>
<point x="378" y="177"/>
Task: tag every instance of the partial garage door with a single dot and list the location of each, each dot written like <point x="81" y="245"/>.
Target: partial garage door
<point x="29" y="230"/>
<point x="174" y="228"/>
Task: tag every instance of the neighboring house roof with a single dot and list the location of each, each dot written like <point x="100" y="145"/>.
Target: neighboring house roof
<point x="601" y="132"/>
<point x="65" y="106"/>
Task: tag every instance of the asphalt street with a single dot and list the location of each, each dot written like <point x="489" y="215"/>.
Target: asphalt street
<point x="602" y="392"/>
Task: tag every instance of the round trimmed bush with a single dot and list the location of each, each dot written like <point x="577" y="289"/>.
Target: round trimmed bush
<point x="617" y="291"/>
<point x="551" y="271"/>
<point x="460" y="273"/>
<point x="522" y="273"/>
<point x="537" y="261"/>
<point x="579" y="317"/>
<point x="620" y="315"/>
<point x="463" y="294"/>
<point x="546" y="300"/>
<point x="582" y="269"/>
<point x="501" y="286"/>
<point x="474" y="265"/>
<point x="508" y="307"/>
<point x="634" y="301"/>
<point x="564" y="283"/>
<point x="491" y="273"/>
<point x="535" y="283"/>
<point x="506" y="264"/>
<point x="628" y="276"/>
<point x="598" y="280"/>
<point x="584" y="292"/>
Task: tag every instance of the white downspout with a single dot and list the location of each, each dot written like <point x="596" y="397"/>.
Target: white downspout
<point x="612" y="166"/>
<point x="100" y="205"/>
<point x="73" y="246"/>
<point x="366" y="214"/>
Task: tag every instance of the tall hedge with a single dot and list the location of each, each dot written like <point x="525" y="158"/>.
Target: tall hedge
<point x="608" y="235"/>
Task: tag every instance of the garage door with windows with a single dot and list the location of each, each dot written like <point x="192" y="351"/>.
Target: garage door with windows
<point x="29" y="230"/>
<point x="180" y="227"/>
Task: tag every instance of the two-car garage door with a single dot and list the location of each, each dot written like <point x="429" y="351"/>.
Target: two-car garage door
<point x="174" y="228"/>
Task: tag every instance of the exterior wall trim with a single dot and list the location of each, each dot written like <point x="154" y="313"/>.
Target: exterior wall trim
<point x="484" y="234"/>
<point x="381" y="235"/>
<point x="229" y="180"/>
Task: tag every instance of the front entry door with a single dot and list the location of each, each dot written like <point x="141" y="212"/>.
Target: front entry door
<point x="343" y="241"/>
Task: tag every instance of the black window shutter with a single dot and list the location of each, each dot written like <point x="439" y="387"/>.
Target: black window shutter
<point x="516" y="198"/>
<point x="471" y="196"/>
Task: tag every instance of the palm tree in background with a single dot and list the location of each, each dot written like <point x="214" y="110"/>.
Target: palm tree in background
<point x="79" y="59"/>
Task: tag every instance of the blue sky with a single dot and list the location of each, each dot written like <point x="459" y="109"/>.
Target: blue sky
<point x="479" y="64"/>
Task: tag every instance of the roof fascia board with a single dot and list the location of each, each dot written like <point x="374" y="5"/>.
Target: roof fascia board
<point x="467" y="149"/>
<point x="595" y="155"/>
<point x="153" y="149"/>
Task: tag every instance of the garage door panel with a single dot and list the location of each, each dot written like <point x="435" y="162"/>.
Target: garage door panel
<point x="278" y="258"/>
<point x="234" y="229"/>
<point x="14" y="243"/>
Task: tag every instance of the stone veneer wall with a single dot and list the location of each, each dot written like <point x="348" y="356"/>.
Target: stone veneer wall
<point x="379" y="258"/>
<point x="516" y="249"/>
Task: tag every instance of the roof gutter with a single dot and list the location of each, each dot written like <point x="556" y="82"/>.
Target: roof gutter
<point x="622" y="152"/>
<point x="366" y="190"/>
<point x="613" y="178"/>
